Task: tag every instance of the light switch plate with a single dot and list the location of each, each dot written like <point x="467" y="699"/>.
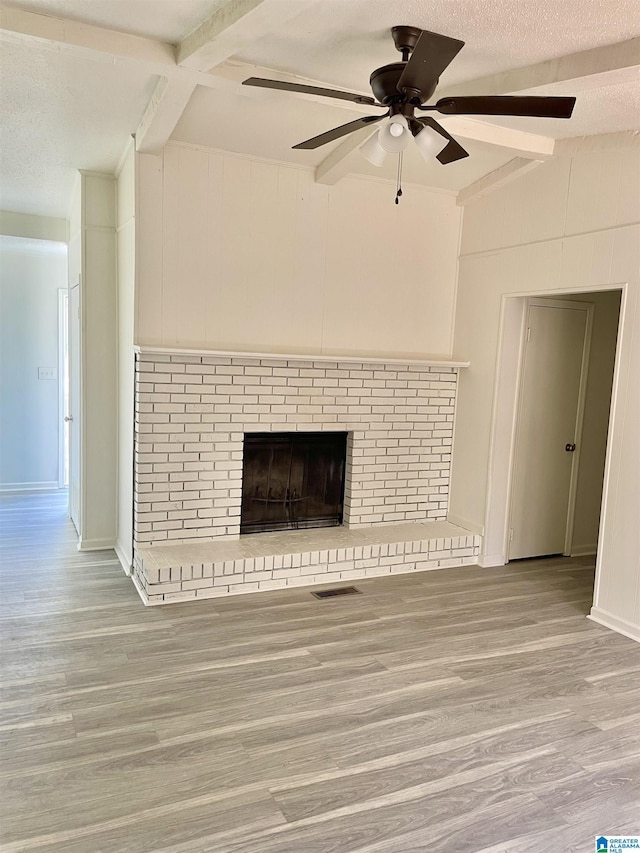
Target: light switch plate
<point x="47" y="373"/>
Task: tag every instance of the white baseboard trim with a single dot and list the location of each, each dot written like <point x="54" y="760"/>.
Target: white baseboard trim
<point x="616" y="623"/>
<point x="125" y="561"/>
<point x="95" y="544"/>
<point x="584" y="550"/>
<point x="141" y="592"/>
<point x="466" y="525"/>
<point x="491" y="561"/>
<point x="48" y="486"/>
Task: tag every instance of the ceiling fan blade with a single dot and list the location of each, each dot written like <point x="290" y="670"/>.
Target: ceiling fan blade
<point x="310" y="90"/>
<point x="507" y="105"/>
<point x="431" y="55"/>
<point x="452" y="151"/>
<point x="337" y="132"/>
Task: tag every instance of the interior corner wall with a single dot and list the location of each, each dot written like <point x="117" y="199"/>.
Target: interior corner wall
<point x="572" y="225"/>
<point x="92" y="259"/>
<point x="30" y="276"/>
<point x="126" y="256"/>
<point x="245" y="255"/>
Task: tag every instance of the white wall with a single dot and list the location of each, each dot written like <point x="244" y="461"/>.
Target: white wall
<point x="247" y="255"/>
<point x="92" y="258"/>
<point x="35" y="227"/>
<point x="125" y="229"/>
<point x="569" y="226"/>
<point x="31" y="273"/>
<point x="99" y="295"/>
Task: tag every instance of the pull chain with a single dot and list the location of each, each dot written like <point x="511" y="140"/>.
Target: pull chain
<point x="399" y="178"/>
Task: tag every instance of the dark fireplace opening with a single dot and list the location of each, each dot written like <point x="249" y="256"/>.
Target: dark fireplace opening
<point x="292" y="480"/>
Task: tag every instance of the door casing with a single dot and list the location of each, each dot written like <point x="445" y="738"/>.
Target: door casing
<point x="75" y="425"/>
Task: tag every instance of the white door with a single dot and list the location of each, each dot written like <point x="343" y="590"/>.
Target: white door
<point x="73" y="413"/>
<point x="551" y="397"/>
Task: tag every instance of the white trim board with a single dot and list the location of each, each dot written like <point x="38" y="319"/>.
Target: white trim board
<point x="48" y="486"/>
<point x="434" y="361"/>
<point x="584" y="550"/>
<point x="124" y="560"/>
<point x="603" y="617"/>
<point x="491" y="561"/>
<point x="96" y="545"/>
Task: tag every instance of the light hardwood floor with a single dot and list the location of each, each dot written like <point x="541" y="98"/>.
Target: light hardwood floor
<point x="456" y="710"/>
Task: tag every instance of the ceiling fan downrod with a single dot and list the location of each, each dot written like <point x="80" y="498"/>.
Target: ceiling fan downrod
<point x="405" y="39"/>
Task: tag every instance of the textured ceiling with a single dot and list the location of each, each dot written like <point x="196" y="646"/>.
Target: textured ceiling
<point x="65" y="110"/>
<point x="606" y="110"/>
<point x="166" y="20"/>
<point x="66" y="113"/>
<point x="342" y="41"/>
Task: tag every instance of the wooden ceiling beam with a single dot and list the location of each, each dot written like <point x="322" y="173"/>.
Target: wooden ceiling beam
<point x="608" y="65"/>
<point x="166" y="105"/>
<point x="233" y="26"/>
<point x="73" y="36"/>
<point x="498" y="178"/>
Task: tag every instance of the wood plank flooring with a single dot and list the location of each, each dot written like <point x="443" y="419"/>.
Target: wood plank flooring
<point x="472" y="710"/>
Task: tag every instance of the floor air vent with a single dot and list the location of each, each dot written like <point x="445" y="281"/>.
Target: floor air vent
<point x="340" y="590"/>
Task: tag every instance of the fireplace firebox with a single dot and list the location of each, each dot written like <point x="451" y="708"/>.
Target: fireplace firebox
<point x="292" y="480"/>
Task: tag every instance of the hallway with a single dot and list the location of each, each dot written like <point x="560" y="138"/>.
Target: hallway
<point x="469" y="710"/>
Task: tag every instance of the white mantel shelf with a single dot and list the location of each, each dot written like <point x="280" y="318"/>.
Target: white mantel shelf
<point x="433" y="361"/>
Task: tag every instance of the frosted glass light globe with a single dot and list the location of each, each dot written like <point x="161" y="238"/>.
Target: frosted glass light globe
<point x="394" y="136"/>
<point x="430" y="143"/>
<point x="373" y="151"/>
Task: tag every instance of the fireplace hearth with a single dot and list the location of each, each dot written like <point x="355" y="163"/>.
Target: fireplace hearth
<point x="292" y="480"/>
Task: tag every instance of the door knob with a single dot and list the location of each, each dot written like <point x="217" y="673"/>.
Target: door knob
<point x="70" y="418"/>
<point x="569" y="448"/>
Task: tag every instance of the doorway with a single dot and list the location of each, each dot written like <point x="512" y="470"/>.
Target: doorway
<point x="587" y="472"/>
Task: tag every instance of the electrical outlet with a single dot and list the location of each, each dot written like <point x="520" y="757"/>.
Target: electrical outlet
<point x="47" y="373"/>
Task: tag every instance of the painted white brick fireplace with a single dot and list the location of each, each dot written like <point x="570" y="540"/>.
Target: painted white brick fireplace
<point x="192" y="413"/>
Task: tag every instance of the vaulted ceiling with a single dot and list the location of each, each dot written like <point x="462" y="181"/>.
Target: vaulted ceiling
<point x="79" y="78"/>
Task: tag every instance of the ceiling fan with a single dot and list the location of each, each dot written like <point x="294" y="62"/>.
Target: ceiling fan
<point x="403" y="87"/>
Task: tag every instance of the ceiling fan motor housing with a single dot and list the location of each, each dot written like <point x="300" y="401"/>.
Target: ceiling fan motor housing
<point x="384" y="84"/>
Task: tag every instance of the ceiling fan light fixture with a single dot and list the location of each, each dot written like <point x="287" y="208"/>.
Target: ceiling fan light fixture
<point x="406" y="87"/>
<point x="373" y="151"/>
<point x="430" y="143"/>
<point x="394" y="135"/>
